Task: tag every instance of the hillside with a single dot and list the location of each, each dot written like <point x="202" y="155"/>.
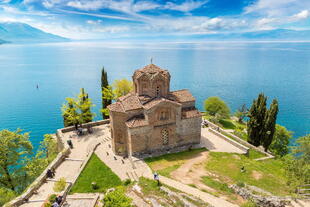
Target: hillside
<point x="23" y="33"/>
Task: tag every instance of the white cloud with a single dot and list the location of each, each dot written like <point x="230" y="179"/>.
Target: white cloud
<point x="301" y="15"/>
<point x="94" y="22"/>
<point x="186" y="6"/>
<point x="273" y="8"/>
<point x="144" y="5"/>
<point x="195" y="25"/>
<point x="86" y="5"/>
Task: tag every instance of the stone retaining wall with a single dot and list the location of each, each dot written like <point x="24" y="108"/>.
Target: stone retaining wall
<point x="233" y="142"/>
<point x="238" y="139"/>
<point x="64" y="152"/>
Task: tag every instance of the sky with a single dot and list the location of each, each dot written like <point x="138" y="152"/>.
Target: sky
<point x="103" y="19"/>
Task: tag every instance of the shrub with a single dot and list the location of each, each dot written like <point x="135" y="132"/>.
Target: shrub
<point x="117" y="198"/>
<point x="249" y="204"/>
<point x="60" y="185"/>
<point x="240" y="184"/>
<point x="52" y="198"/>
<point x="215" y="106"/>
<point x="47" y="204"/>
<point x="127" y="182"/>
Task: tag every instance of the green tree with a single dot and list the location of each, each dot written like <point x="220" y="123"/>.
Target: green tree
<point x="70" y="114"/>
<point x="270" y="124"/>
<point x="257" y="114"/>
<point x="84" y="105"/>
<point x="77" y="111"/>
<point x="279" y="145"/>
<point x="14" y="151"/>
<point x="241" y="113"/>
<point x="117" y="198"/>
<point x="49" y="147"/>
<point x="215" y="106"/>
<point x="6" y="195"/>
<point x="46" y="153"/>
<point x="104" y="84"/>
<point x="119" y="88"/>
<point x="298" y="162"/>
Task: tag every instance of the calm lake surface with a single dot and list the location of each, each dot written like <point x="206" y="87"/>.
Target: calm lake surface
<point x="236" y="72"/>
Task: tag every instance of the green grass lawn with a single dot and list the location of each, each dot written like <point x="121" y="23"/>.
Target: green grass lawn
<point x="165" y="164"/>
<point x="95" y="171"/>
<point x="268" y="175"/>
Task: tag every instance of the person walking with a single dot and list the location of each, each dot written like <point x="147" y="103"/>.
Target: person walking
<point x="156" y="177"/>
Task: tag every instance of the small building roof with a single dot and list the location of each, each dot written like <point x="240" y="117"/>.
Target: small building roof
<point x="126" y="103"/>
<point x="182" y="96"/>
<point x="186" y="114"/>
<point x="117" y="107"/>
<point x="156" y="101"/>
<point x="130" y="102"/>
<point x="136" y="122"/>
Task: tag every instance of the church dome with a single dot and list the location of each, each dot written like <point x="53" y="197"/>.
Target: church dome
<point x="151" y="71"/>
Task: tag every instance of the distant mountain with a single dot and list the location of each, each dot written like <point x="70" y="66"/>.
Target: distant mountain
<point x="277" y="34"/>
<point x="23" y="33"/>
<point x="2" y="41"/>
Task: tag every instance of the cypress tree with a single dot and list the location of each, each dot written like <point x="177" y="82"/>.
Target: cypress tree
<point x="104" y="84"/>
<point x="257" y="116"/>
<point x="270" y="124"/>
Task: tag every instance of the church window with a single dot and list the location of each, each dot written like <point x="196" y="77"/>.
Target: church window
<point x="165" y="136"/>
<point x="158" y="91"/>
<point x="163" y="115"/>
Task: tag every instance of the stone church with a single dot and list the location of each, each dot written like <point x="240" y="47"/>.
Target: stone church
<point x="153" y="119"/>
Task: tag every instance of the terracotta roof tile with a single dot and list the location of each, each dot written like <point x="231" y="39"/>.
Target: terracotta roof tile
<point x="155" y="101"/>
<point x="136" y="122"/>
<point x="191" y="113"/>
<point x="116" y="107"/>
<point x="130" y="102"/>
<point x="150" y="70"/>
<point x="181" y="96"/>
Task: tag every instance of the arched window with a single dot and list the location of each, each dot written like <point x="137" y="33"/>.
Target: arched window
<point x="164" y="115"/>
<point x="165" y="136"/>
<point x="158" y="92"/>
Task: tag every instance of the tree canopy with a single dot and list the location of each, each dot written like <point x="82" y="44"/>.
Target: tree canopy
<point x="298" y="163"/>
<point x="15" y="149"/>
<point x="261" y="126"/>
<point x="77" y="110"/>
<point x="279" y="145"/>
<point x="119" y="88"/>
<point x="104" y="84"/>
<point x="18" y="166"/>
<point x="215" y="106"/>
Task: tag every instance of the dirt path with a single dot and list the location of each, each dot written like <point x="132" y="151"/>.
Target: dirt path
<point x="192" y="171"/>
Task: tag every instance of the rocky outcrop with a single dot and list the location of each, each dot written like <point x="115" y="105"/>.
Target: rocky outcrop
<point x="260" y="200"/>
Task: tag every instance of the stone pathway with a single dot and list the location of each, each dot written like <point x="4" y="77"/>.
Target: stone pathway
<point x="217" y="144"/>
<point x="82" y="200"/>
<point x="129" y="168"/>
<point x="67" y="169"/>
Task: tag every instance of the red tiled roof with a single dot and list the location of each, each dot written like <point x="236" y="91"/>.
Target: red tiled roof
<point x="181" y="96"/>
<point x="156" y="101"/>
<point x="151" y="70"/>
<point x="136" y="122"/>
<point x="117" y="106"/>
<point x="191" y="113"/>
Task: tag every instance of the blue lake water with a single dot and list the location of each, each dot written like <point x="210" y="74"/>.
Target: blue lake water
<point x="236" y="72"/>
